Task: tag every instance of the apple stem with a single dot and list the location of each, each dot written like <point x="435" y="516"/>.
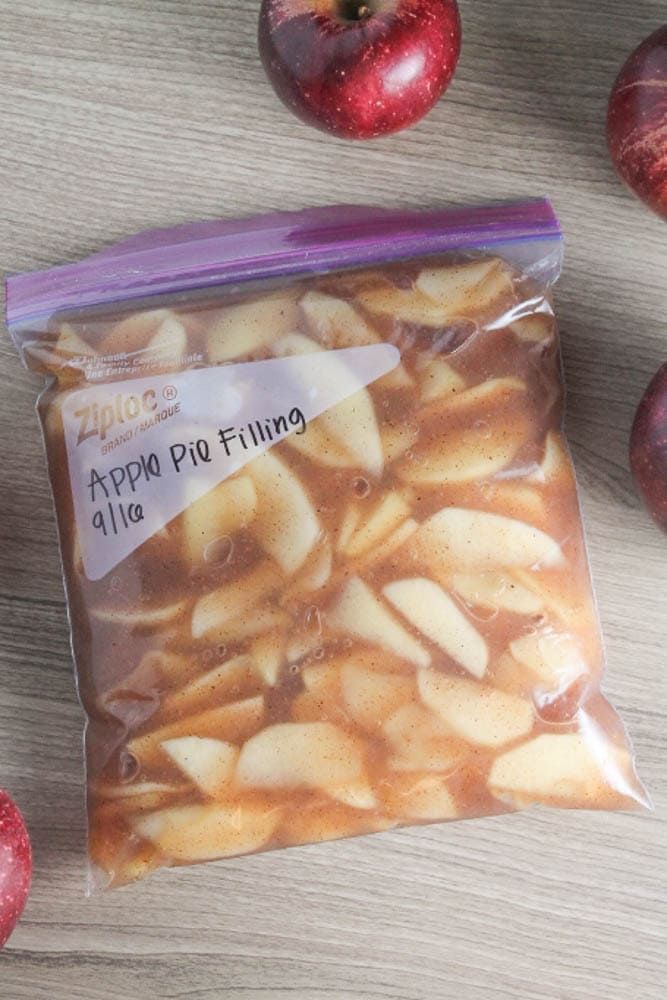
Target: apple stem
<point x="354" y="10"/>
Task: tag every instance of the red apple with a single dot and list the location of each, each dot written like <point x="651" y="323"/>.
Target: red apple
<point x="648" y="447"/>
<point x="637" y="122"/>
<point x="360" y="68"/>
<point x="15" y="866"/>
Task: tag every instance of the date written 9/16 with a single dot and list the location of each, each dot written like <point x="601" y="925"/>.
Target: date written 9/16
<point x="117" y="484"/>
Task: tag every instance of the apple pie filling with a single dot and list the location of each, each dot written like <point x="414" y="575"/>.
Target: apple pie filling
<point x="383" y="618"/>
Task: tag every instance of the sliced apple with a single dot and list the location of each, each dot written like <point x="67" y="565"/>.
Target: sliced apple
<point x="351" y="425"/>
<point x="555" y="768"/>
<point x="139" y="796"/>
<point x="132" y="790"/>
<point x="71" y="344"/>
<point x="324" y="678"/>
<point x="156" y="671"/>
<point x="484" y="398"/>
<point x="301" y="644"/>
<point x="243" y="329"/>
<point x="141" y="617"/>
<point x="554" y="659"/>
<point x="397" y="439"/>
<point x="170" y="342"/>
<point x="322" y="699"/>
<point x="513" y="499"/>
<point x="379" y="553"/>
<point x="555" y="465"/>
<point x="568" y="599"/>
<point x="538" y="328"/>
<point x="357" y="794"/>
<point x="209" y="763"/>
<point x="420" y="741"/>
<point x="114" y="860"/>
<point x="478" y="713"/>
<point x="371" y="697"/>
<point x="348" y="526"/>
<point x="286" y="524"/>
<point x="133" y="333"/>
<point x="510" y="676"/>
<point x="221" y="512"/>
<point x="495" y="591"/>
<point x="337" y="324"/>
<point x="320" y="447"/>
<point x="231" y="723"/>
<point x="318" y="572"/>
<point x="360" y="613"/>
<point x="435" y="615"/>
<point x="437" y="379"/>
<point x="464" y="455"/>
<point x="443" y="294"/>
<point x="139" y="865"/>
<point x="388" y="515"/>
<point x="263" y="619"/>
<point x="373" y="658"/>
<point x="418" y="796"/>
<point x="397" y="378"/>
<point x="390" y="545"/>
<point x="471" y="540"/>
<point x="557" y="701"/>
<point x="468" y="289"/>
<point x="267" y="653"/>
<point x="227" y="682"/>
<point x="323" y="821"/>
<point x="297" y="755"/>
<point x="296" y="344"/>
<point x="315" y="573"/>
<point x="205" y="832"/>
<point x="310" y="707"/>
<point x="220" y="609"/>
<point x="406" y="305"/>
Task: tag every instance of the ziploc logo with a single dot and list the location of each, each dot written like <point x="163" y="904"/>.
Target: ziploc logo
<point x="100" y="420"/>
<point x="142" y="450"/>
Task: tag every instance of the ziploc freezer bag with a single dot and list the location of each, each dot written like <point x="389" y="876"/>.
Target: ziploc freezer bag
<point x="319" y="529"/>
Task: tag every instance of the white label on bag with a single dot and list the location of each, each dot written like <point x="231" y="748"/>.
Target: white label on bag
<point x="140" y="451"/>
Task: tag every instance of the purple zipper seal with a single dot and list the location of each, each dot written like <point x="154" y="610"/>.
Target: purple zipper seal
<point x="206" y="254"/>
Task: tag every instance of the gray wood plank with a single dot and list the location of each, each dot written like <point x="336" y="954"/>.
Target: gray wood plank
<point x="122" y="114"/>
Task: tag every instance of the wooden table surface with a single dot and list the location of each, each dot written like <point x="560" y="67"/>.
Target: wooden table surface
<point x="121" y="114"/>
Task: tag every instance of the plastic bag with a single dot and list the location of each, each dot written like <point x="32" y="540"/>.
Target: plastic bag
<point x="320" y="533"/>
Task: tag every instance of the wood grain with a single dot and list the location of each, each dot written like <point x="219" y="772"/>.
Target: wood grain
<point x="122" y="114"/>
